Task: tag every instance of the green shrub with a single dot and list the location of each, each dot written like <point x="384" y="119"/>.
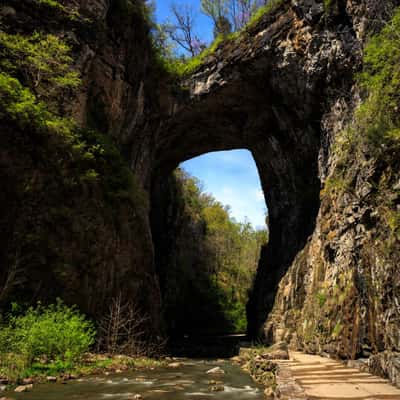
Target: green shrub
<point x="19" y="104"/>
<point x="375" y="128"/>
<point x="181" y="68"/>
<point x="378" y="117"/>
<point x="97" y="158"/>
<point x="51" y="3"/>
<point x="55" y="333"/>
<point x="271" y="6"/>
<point x="43" y="60"/>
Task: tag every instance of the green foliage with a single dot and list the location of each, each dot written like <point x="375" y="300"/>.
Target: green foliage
<point x="374" y="134"/>
<point x="377" y="121"/>
<point x="321" y="299"/>
<point x="186" y="66"/>
<point x="268" y="8"/>
<point x="51" y="3"/>
<point x="393" y="220"/>
<point x="215" y="275"/>
<point x="181" y="68"/>
<point x="97" y="158"/>
<point x="328" y="4"/>
<point x="42" y="60"/>
<point x="337" y="329"/>
<point x="56" y="333"/>
<point x="19" y="104"/>
<point x="335" y="184"/>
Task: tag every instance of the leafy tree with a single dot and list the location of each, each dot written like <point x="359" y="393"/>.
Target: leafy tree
<point x="218" y="11"/>
<point x="230" y="14"/>
<point x="43" y="61"/>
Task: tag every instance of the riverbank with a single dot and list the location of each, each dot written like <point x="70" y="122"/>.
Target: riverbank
<point x="260" y="363"/>
<point x="254" y="361"/>
<point x="257" y="361"/>
<point x="180" y="379"/>
<point x="90" y="364"/>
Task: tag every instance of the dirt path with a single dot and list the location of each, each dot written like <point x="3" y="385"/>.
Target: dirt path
<point x="317" y="378"/>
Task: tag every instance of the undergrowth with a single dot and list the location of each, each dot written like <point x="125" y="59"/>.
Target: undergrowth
<point x="44" y="338"/>
<point x="55" y="340"/>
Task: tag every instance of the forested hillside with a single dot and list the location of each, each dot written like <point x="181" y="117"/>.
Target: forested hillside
<point x="212" y="263"/>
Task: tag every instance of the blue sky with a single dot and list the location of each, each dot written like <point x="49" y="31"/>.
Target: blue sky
<point x="203" y="23"/>
<point x="232" y="178"/>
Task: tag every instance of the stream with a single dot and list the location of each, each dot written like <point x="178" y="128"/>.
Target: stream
<point x="188" y="381"/>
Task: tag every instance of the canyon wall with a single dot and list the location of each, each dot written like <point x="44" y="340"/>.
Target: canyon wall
<point x="285" y="89"/>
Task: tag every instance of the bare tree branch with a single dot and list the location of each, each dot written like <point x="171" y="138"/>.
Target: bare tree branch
<point x="122" y="331"/>
<point x="181" y="30"/>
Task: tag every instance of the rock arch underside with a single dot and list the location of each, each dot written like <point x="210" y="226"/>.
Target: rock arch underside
<point x="283" y="89"/>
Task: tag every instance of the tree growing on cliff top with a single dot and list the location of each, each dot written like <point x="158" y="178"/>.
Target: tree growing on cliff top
<point x="226" y="16"/>
<point x="181" y="29"/>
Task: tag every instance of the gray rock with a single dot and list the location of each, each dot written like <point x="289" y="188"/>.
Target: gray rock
<point x="216" y="371"/>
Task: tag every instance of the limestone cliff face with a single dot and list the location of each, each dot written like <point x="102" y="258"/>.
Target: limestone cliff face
<point x="63" y="234"/>
<point x="327" y="281"/>
<point x="340" y="295"/>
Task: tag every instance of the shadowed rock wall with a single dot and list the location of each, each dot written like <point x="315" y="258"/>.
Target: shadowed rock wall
<point x="283" y="89"/>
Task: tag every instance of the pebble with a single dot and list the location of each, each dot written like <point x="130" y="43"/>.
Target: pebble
<point x="216" y="371"/>
<point x="269" y="393"/>
<point x="27" y="381"/>
<point x="3" y="388"/>
<point x="215" y="382"/>
<point x="175" y="365"/>
<point x="23" y="388"/>
<point x="217" y="388"/>
<point x="69" y="377"/>
<point x="51" y="379"/>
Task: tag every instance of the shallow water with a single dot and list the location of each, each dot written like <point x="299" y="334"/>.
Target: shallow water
<point x="189" y="381"/>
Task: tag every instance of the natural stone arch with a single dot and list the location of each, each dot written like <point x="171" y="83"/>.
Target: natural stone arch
<point x="266" y="92"/>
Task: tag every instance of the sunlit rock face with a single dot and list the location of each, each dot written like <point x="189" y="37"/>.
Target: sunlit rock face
<point x="284" y="89"/>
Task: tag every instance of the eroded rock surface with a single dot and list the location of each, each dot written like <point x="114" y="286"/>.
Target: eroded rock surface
<point x="328" y="279"/>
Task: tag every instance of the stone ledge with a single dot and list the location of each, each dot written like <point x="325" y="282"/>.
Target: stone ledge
<point x="287" y="386"/>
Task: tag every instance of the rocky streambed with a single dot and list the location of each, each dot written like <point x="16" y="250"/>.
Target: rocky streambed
<point x="183" y="379"/>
